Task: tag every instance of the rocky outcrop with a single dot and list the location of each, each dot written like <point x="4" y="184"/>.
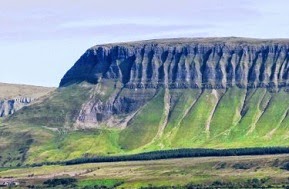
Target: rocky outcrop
<point x="10" y="106"/>
<point x="115" y="111"/>
<point x="186" y="63"/>
<point x="13" y="97"/>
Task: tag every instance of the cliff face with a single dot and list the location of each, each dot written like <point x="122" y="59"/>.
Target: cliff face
<point x="10" y="106"/>
<point x="186" y="63"/>
<point x="137" y="71"/>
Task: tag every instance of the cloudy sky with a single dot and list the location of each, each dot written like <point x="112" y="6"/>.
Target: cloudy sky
<point x="41" y="40"/>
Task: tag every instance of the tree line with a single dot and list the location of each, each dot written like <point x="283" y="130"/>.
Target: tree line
<point x="180" y="153"/>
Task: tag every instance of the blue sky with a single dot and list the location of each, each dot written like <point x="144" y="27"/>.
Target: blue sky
<point x="41" y="40"/>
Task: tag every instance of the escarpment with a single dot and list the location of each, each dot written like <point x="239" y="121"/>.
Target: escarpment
<point x="136" y="72"/>
<point x="186" y="63"/>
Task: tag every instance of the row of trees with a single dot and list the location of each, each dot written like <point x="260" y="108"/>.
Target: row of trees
<point x="181" y="153"/>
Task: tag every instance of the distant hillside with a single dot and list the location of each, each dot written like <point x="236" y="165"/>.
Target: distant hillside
<point x="13" y="97"/>
<point x="8" y="91"/>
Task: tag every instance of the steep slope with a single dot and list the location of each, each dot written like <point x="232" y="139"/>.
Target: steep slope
<point x="186" y="63"/>
<point x="216" y="63"/>
<point x="160" y="94"/>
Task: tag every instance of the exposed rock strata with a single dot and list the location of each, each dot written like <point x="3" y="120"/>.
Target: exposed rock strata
<point x="183" y="63"/>
<point x="8" y="107"/>
<point x="211" y="63"/>
<point x="13" y="97"/>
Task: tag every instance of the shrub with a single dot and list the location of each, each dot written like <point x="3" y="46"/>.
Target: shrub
<point x="60" y="181"/>
<point x="286" y="166"/>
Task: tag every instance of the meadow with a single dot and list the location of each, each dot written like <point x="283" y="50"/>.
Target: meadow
<point x="254" y="171"/>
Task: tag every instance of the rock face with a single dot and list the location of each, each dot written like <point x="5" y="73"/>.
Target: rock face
<point x="13" y="97"/>
<point x="136" y="71"/>
<point x="8" y="107"/>
<point x="186" y="63"/>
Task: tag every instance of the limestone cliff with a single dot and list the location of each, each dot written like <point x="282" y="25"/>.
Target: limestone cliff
<point x="184" y="63"/>
<point x="137" y="71"/>
<point x="9" y="106"/>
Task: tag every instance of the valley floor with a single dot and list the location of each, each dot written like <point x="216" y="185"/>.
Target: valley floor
<point x="243" y="171"/>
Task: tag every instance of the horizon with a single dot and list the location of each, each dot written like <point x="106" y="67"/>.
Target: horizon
<point x="40" y="41"/>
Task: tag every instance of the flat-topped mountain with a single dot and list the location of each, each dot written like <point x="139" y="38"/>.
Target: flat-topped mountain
<point x="158" y="94"/>
<point x="186" y="63"/>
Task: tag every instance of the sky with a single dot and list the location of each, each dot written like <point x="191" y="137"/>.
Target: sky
<point x="41" y="40"/>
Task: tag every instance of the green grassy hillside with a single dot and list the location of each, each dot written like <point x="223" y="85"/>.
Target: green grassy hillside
<point x="175" y="118"/>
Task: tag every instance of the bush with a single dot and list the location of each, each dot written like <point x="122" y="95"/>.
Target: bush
<point x="60" y="181"/>
<point x="286" y="166"/>
<point x="242" y="166"/>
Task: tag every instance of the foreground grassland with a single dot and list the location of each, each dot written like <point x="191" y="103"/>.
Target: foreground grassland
<point x="254" y="171"/>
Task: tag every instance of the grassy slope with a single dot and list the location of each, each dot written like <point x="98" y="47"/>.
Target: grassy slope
<point x="74" y="144"/>
<point x="273" y="116"/>
<point x="17" y="141"/>
<point x="227" y="112"/>
<point x="59" y="110"/>
<point x="46" y="124"/>
<point x="192" y="129"/>
<point x="184" y="100"/>
<point x="237" y="118"/>
<point x="144" y="127"/>
<point x="263" y="121"/>
<point x="251" y="113"/>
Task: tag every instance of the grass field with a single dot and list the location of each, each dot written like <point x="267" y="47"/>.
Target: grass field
<point x="269" y="170"/>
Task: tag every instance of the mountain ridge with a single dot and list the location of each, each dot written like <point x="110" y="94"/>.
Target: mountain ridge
<point x="214" y="63"/>
<point x="200" y="40"/>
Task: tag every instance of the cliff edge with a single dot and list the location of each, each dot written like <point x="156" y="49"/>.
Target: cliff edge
<point x="186" y="63"/>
